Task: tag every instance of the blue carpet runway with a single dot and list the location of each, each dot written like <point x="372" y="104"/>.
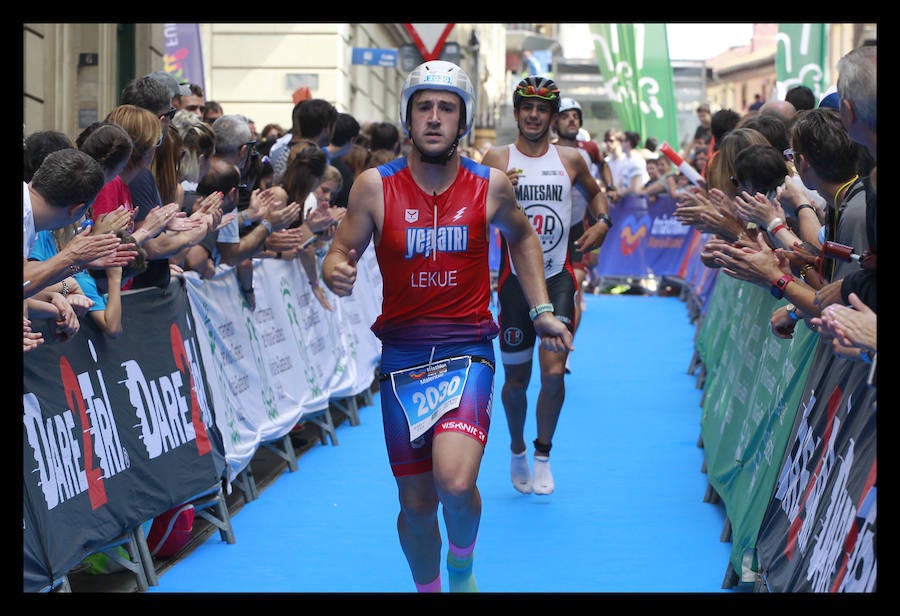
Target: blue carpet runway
<point x="628" y="514"/>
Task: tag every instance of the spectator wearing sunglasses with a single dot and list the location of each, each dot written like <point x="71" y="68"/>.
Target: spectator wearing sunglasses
<point x="760" y="171"/>
<point x="212" y="111"/>
<point x="245" y="236"/>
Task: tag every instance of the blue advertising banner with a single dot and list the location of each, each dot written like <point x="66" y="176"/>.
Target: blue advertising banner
<point x="183" y="53"/>
<point x="646" y="239"/>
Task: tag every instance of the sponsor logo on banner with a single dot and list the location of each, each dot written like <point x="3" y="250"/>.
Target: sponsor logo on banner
<point x="79" y="447"/>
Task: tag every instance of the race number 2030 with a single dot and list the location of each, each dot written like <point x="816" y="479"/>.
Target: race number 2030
<point x="429" y="391"/>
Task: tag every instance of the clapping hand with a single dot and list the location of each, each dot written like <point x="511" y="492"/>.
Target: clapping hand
<point x="283" y="216"/>
<point x="287" y="241"/>
<point x="226" y="220"/>
<point x="115" y="220"/>
<point x="757" y="209"/>
<point x="759" y="265"/>
<point x="88" y="246"/>
<point x="211" y="200"/>
<point x="852" y="326"/>
<point x="158" y="218"/>
<point x="320" y="218"/>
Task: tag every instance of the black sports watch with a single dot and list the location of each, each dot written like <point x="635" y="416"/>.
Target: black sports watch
<point x="605" y="218"/>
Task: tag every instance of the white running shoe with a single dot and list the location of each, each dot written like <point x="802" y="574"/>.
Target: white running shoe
<point x="543" y="478"/>
<point x="520" y="473"/>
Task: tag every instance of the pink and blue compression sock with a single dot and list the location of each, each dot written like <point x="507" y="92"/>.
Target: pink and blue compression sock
<point x="459" y="566"/>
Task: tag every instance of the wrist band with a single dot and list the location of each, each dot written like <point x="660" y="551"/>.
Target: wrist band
<point x="780" y="285"/>
<point x="807" y="205"/>
<point x="539" y="309"/>
<point x="792" y="312"/>
<point x="777" y="228"/>
<point x="65" y="288"/>
<point x="265" y="223"/>
<point x="774" y="224"/>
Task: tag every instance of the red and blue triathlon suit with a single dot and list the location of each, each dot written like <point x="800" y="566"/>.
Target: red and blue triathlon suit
<point x="436" y="301"/>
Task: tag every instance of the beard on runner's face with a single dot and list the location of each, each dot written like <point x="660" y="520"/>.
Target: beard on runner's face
<point x="565" y="133"/>
<point x="567" y="127"/>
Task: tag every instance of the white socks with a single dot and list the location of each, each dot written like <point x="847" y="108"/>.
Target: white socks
<point x="522" y="480"/>
<point x="520" y="473"/>
<point x="543" y="478"/>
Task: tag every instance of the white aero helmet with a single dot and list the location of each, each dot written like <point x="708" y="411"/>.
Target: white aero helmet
<point x="438" y="75"/>
<point x="566" y="103"/>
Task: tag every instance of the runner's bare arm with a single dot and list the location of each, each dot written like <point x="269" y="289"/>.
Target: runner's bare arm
<point x="365" y="214"/>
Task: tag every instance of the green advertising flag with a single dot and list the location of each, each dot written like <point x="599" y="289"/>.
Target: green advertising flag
<point x="800" y="58"/>
<point x="634" y="62"/>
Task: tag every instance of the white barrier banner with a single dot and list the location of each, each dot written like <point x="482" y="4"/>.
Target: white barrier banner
<point x="288" y="357"/>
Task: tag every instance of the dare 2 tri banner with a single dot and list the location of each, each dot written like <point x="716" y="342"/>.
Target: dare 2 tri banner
<point x="115" y="432"/>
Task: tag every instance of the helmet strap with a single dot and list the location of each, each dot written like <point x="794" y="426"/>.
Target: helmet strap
<point x="439" y="159"/>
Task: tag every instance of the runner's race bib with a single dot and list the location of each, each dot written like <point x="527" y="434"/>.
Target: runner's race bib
<point x="429" y="391"/>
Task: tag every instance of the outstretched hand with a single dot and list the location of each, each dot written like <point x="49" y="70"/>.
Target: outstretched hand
<point x="853" y="326"/>
<point x="759" y="265"/>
